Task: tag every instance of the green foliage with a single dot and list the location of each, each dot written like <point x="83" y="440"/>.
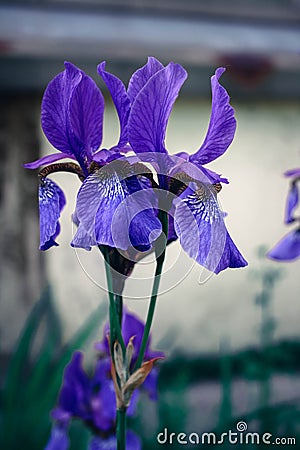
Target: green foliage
<point x="34" y="375"/>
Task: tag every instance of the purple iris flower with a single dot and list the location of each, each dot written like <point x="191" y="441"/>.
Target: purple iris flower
<point x="133" y="326"/>
<point x="92" y="400"/>
<point x="288" y="248"/>
<point x="72" y="120"/>
<point x="198" y="220"/>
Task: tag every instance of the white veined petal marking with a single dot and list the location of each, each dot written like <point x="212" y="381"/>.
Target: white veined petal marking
<point x="203" y="203"/>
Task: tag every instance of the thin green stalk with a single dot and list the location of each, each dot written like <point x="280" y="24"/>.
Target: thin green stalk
<point x="114" y="321"/>
<point x="119" y="308"/>
<point x="163" y="216"/>
<point x="121" y="429"/>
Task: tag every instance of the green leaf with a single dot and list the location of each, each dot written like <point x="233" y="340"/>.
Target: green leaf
<point x="14" y="380"/>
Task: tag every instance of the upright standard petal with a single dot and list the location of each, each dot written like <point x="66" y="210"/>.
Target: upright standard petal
<point x="51" y="203"/>
<point x="288" y="249"/>
<point x="120" y="98"/>
<point x="200" y="226"/>
<point x="115" y="209"/>
<point x="142" y="76"/>
<point x="221" y="127"/>
<point x="86" y="118"/>
<point x="291" y="203"/>
<point x="152" y="107"/>
<point x="55" y="108"/>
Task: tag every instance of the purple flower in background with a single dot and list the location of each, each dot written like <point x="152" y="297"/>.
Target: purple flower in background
<point x="90" y="399"/>
<point x="72" y="120"/>
<point x="133" y="442"/>
<point x="198" y="221"/>
<point x="288" y="248"/>
<point x="132" y="326"/>
<point x="293" y="195"/>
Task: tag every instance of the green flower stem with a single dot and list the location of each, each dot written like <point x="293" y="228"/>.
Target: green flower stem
<point x="115" y="321"/>
<point x="121" y="429"/>
<point x="163" y="216"/>
<point x="114" y="318"/>
<point x="119" y="308"/>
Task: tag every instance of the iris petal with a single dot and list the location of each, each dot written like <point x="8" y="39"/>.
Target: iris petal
<point x="115" y="210"/>
<point x="200" y="227"/>
<point x="120" y="98"/>
<point x="133" y="442"/>
<point x="86" y="118"/>
<point x="222" y="124"/>
<point x="48" y="159"/>
<point x="152" y="107"/>
<point x="141" y="77"/>
<point x="55" y="107"/>
<point x="72" y="114"/>
<point x="75" y="391"/>
<point x="288" y="249"/>
<point x="51" y="203"/>
<point x="291" y="203"/>
<point x="132" y="325"/>
<point x="59" y="439"/>
<point x="292" y="173"/>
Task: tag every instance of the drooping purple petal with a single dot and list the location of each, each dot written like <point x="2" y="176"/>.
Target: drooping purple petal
<point x="103" y="406"/>
<point x="48" y="159"/>
<point x="291" y="203"/>
<point x="133" y="442"/>
<point x="51" y="203"/>
<point x="115" y="210"/>
<point x="222" y="124"/>
<point x="86" y="118"/>
<point x="142" y="76"/>
<point x="82" y="239"/>
<point x="231" y="257"/>
<point x="200" y="227"/>
<point x="152" y="107"/>
<point x="59" y="439"/>
<point x="55" y="108"/>
<point x="288" y="248"/>
<point x="75" y="391"/>
<point x="120" y="98"/>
